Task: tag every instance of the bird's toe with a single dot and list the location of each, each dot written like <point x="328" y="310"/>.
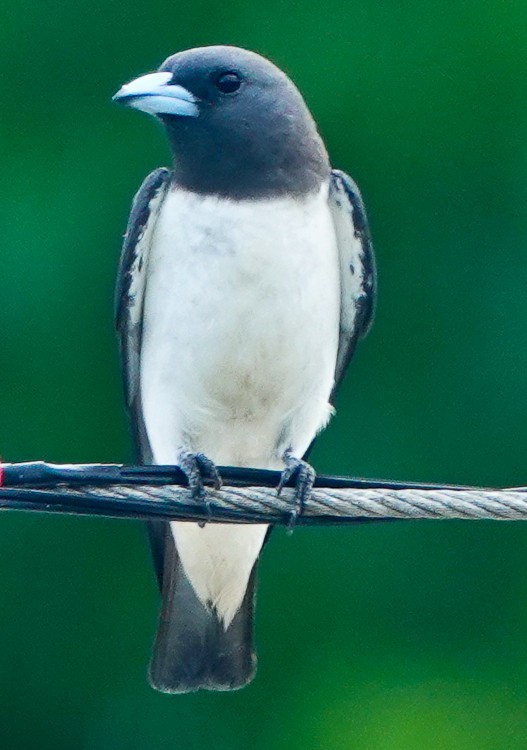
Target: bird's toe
<point x="304" y="476"/>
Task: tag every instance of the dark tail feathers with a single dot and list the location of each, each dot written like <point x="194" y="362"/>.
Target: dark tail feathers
<point x="192" y="650"/>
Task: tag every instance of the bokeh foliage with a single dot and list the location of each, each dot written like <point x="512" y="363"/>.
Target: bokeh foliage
<point x="385" y="637"/>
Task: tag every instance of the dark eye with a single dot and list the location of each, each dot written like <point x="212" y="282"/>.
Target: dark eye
<point x="228" y="83"/>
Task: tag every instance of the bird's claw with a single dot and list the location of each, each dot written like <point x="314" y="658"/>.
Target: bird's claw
<point x="199" y="469"/>
<point x="304" y="479"/>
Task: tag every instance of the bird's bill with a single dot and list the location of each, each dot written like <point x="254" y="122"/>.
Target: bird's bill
<point x="153" y="93"/>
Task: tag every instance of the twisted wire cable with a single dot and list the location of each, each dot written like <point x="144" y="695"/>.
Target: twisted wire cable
<point x="248" y="496"/>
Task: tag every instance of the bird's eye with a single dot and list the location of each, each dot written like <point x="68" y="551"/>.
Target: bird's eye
<point x="228" y="83"/>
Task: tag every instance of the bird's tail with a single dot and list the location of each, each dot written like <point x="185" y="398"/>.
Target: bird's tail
<point x="193" y="650"/>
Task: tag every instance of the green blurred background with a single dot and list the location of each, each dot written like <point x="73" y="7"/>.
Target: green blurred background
<point x="406" y="636"/>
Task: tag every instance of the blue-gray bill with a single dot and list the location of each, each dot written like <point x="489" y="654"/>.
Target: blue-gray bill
<point x="246" y="278"/>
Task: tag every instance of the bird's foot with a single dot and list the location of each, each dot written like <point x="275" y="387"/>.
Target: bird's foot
<point x="304" y="475"/>
<point x="199" y="469"/>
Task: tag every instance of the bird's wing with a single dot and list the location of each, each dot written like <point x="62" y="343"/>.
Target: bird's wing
<point x="129" y="295"/>
<point x="357" y="268"/>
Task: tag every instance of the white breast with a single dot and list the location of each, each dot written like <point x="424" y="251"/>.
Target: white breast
<point x="240" y="336"/>
<point x="241" y="322"/>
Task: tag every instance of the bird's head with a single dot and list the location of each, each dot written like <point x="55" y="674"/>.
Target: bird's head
<point x="237" y="125"/>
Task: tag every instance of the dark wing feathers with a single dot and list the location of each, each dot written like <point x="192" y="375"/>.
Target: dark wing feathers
<point x="357" y="268"/>
<point x="129" y="295"/>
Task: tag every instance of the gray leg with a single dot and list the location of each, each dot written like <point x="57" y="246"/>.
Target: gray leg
<point x="304" y="475"/>
<point x="198" y="469"/>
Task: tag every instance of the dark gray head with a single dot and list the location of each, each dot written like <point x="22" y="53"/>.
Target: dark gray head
<point x="237" y="125"/>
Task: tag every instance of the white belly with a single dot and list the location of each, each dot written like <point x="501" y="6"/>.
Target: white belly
<point x="240" y="336"/>
<point x="241" y="320"/>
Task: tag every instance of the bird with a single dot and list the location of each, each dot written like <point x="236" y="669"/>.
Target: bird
<point x="246" y="278"/>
